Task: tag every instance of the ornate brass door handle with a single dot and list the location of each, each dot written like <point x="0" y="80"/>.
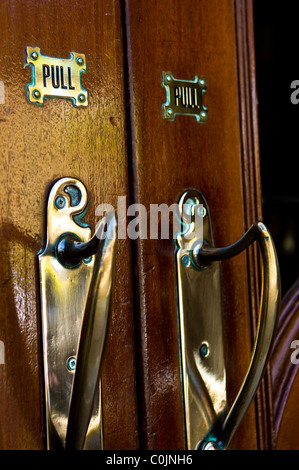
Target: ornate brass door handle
<point x="209" y="424"/>
<point x="76" y="284"/>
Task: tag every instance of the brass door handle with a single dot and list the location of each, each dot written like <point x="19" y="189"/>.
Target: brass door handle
<point x="76" y="293"/>
<point x="216" y="429"/>
<point x="267" y="322"/>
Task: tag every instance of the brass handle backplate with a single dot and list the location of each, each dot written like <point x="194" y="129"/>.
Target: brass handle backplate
<point x="76" y="285"/>
<point x="210" y="424"/>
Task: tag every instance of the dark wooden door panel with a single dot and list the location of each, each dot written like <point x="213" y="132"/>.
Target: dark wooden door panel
<point x="191" y="38"/>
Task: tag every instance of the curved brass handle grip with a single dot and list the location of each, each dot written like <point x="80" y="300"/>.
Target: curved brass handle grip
<point x="94" y="325"/>
<point x="267" y="323"/>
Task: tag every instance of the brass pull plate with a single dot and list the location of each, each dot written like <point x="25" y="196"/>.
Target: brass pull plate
<point x="63" y="293"/>
<point x="200" y="314"/>
<point x="184" y="97"/>
<point x="55" y="77"/>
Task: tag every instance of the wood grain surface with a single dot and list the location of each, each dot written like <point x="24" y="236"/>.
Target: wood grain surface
<point x="190" y="39"/>
<point x="38" y="145"/>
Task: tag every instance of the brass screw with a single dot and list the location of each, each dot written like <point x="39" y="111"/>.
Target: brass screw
<point x="186" y="260"/>
<point x="201" y="211"/>
<point x="34" y="55"/>
<point x="80" y="61"/>
<point x="81" y="98"/>
<point x="36" y="94"/>
<point x="204" y="350"/>
<point x="71" y="363"/>
<point x="60" y="202"/>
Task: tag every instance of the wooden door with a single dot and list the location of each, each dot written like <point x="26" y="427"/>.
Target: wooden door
<point x="40" y="144"/>
<point x="120" y="145"/>
<point x="220" y="159"/>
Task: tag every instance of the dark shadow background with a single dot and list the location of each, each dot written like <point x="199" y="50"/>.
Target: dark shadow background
<point x="277" y="66"/>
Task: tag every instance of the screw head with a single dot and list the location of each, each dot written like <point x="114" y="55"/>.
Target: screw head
<point x="169" y="112"/>
<point x="168" y="78"/>
<point x="202" y="82"/>
<point x="201" y="211"/>
<point x="36" y="94"/>
<point x="71" y="363"/>
<point x="34" y="55"/>
<point x="186" y="260"/>
<point x="60" y="202"/>
<point x="203" y="115"/>
<point x="81" y="98"/>
<point x="80" y="61"/>
<point x="204" y="350"/>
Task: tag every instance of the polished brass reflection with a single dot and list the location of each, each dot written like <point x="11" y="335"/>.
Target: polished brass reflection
<point x="214" y="427"/>
<point x="200" y="313"/>
<point x="75" y="291"/>
<point x="54" y="77"/>
<point x="92" y="338"/>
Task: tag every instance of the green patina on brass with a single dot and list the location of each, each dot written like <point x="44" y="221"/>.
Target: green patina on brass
<point x="54" y="77"/>
<point x="184" y="97"/>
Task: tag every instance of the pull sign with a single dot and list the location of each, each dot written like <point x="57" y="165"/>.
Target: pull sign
<point x="56" y="77"/>
<point x="184" y="97"/>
